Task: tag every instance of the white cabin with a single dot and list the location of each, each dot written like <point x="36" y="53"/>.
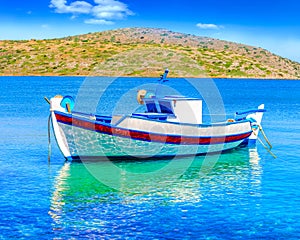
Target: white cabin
<point x="174" y="109"/>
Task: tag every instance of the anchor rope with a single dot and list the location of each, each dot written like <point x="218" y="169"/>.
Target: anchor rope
<point x="265" y="136"/>
<point x="266" y="139"/>
<point x="49" y="137"/>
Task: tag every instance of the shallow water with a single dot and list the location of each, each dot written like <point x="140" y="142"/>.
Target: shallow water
<point x="244" y="193"/>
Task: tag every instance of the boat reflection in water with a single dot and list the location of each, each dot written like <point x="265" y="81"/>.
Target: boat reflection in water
<point x="81" y="200"/>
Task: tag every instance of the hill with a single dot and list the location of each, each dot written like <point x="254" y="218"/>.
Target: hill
<point x="142" y="52"/>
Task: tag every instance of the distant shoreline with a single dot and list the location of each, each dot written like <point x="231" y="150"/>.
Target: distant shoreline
<point x="219" y="77"/>
<point x="142" y="52"/>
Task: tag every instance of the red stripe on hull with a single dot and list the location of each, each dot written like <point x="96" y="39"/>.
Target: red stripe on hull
<point x="150" y="137"/>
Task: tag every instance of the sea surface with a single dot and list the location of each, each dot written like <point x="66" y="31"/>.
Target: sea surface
<point x="242" y="194"/>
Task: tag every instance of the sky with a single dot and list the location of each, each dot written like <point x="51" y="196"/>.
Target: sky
<point x="273" y="25"/>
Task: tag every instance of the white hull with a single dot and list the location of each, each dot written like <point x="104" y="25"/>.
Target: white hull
<point x="86" y="143"/>
<point x="79" y="137"/>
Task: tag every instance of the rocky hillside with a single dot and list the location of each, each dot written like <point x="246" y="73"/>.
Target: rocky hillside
<point x="142" y="52"/>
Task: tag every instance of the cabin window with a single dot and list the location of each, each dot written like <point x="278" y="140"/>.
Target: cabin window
<point x="165" y="107"/>
<point x="151" y="107"/>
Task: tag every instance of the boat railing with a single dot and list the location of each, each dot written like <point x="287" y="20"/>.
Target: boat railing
<point x="250" y="111"/>
<point x="115" y="120"/>
<point x="179" y="123"/>
<point x="100" y="118"/>
<point x="239" y="116"/>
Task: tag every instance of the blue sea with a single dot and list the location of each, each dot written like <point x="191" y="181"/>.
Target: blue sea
<point x="241" y="194"/>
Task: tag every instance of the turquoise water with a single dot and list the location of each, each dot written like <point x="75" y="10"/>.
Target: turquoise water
<point x="243" y="194"/>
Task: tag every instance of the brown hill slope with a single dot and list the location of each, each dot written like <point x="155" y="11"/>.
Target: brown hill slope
<point x="142" y="52"/>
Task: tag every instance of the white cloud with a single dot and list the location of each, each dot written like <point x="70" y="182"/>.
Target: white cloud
<point x="76" y="7"/>
<point x="102" y="12"/>
<point x="208" y="26"/>
<point x="111" y="9"/>
<point x="98" y="21"/>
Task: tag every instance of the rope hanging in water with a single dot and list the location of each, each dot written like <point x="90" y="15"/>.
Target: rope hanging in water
<point x="265" y="136"/>
<point x="49" y="137"/>
<point x="269" y="150"/>
<point x="266" y="139"/>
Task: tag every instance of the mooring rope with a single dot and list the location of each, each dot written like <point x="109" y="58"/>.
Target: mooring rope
<point x="265" y="136"/>
<point x="49" y="130"/>
<point x="49" y="137"/>
<point x="267" y="140"/>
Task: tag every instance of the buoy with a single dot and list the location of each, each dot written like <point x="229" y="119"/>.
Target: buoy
<point x="67" y="103"/>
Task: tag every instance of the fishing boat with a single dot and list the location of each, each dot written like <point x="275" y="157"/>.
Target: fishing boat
<point x="170" y="125"/>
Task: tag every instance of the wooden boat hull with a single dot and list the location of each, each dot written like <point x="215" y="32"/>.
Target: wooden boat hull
<point x="79" y="136"/>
